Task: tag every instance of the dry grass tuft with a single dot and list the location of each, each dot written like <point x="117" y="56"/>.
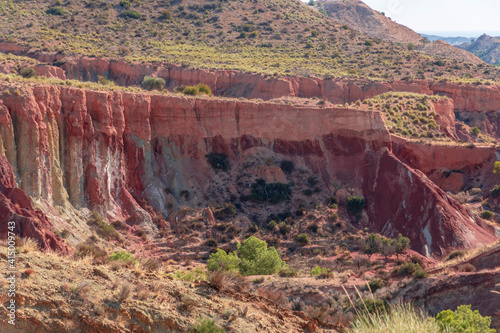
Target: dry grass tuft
<point x="124" y="292"/>
<point x="27" y="245"/>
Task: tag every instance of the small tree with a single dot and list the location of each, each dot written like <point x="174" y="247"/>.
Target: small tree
<point x="372" y="244"/>
<point x="221" y="259"/>
<point x="388" y="248"/>
<point x="464" y="320"/>
<point x="402" y="244"/>
<point x="355" y="205"/>
<point x="256" y="258"/>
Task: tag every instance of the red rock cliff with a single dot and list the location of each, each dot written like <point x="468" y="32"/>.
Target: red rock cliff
<point x="104" y="151"/>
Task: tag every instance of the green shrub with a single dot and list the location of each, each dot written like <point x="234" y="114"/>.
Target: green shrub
<point x="495" y="192"/>
<point x="464" y="320"/>
<point x="420" y="274"/>
<point x="257" y="259"/>
<point x="355" y="205"/>
<point x="371" y="244"/>
<point x="166" y="15"/>
<point x="286" y="166"/>
<point x="272" y="225"/>
<point x="273" y="192"/>
<point x="410" y="268"/>
<point x="203" y="88"/>
<point x="105" y="81"/>
<point x="125" y="4"/>
<point x="455" y="254"/>
<point x="402" y="244"/>
<point x="104" y="229"/>
<point x="191" y="91"/>
<point x="487" y="215"/>
<point x="288" y="272"/>
<point x="207" y="326"/>
<point x="27" y="72"/>
<point x="475" y="131"/>
<point x="376" y="284"/>
<point x="225" y="211"/>
<point x="196" y="274"/>
<point x="226" y="261"/>
<point x="219" y="161"/>
<point x="302" y="239"/>
<point x="153" y="83"/>
<point x="131" y="13"/>
<point x="253" y="34"/>
<point x="55" y="11"/>
<point x="321" y="272"/>
<point x="122" y="256"/>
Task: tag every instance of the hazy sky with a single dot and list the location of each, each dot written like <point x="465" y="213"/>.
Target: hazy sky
<point x="442" y="15"/>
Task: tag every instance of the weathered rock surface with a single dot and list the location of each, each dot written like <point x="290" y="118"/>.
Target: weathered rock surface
<point x="449" y="166"/>
<point x="433" y="221"/>
<point x="15" y="206"/>
<point x="448" y="292"/>
<point x="106" y="150"/>
<point x="467" y="97"/>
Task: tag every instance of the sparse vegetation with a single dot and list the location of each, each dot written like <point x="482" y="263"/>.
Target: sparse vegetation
<point x="27" y="72"/>
<point x="464" y="320"/>
<point x="399" y="318"/>
<point x="122" y="256"/>
<point x="219" y="161"/>
<point x="207" y="325"/>
<point x="486" y="214"/>
<point x="355" y="205"/>
<point x="455" y="254"/>
<point x="252" y="258"/>
<point x="153" y="83"/>
<point x="303" y="239"/>
<point x="272" y="192"/>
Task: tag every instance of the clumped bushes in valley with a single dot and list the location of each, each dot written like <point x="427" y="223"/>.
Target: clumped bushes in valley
<point x="252" y="258"/>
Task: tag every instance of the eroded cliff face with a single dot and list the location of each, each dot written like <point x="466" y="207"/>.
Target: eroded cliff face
<point x="74" y="151"/>
<point x="467" y="97"/>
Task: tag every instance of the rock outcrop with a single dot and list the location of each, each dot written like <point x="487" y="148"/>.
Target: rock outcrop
<point x="105" y="151"/>
<point x="436" y="294"/>
<point x="233" y="83"/>
<point x="451" y="167"/>
<point x="16" y="207"/>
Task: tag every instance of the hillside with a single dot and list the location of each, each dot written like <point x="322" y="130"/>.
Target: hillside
<point x="485" y="47"/>
<point x="445" y="50"/>
<point x="357" y="15"/>
<point x="282" y="36"/>
<point x="360" y="17"/>
<point x="240" y="166"/>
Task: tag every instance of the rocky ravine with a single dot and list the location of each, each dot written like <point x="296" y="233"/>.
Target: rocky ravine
<point x="80" y="150"/>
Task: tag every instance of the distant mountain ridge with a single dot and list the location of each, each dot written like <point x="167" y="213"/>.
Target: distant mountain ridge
<point x="450" y="40"/>
<point x="485" y="47"/>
